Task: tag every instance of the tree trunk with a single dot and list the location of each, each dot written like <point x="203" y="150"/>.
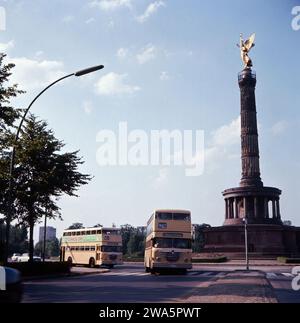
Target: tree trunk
<point x="7" y="236"/>
<point x="31" y="246"/>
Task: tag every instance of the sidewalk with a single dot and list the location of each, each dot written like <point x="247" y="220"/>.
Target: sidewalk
<point x="235" y="287"/>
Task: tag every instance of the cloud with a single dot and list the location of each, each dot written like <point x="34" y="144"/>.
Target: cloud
<point x="122" y="52"/>
<point x="150" y="10"/>
<point x="109" y="5"/>
<point x="279" y="127"/>
<point x="227" y="135"/>
<point x="34" y="74"/>
<point x="222" y="144"/>
<point x="147" y="54"/>
<point x="88" y="107"/>
<point x="90" y="20"/>
<point x="5" y="47"/>
<point x="162" y="178"/>
<point x="67" y="19"/>
<point x="164" y="76"/>
<point x="114" y="84"/>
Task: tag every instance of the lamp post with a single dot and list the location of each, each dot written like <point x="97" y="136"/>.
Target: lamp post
<point x="246" y="242"/>
<point x="12" y="159"/>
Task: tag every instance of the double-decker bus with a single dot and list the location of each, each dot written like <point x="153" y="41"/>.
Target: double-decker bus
<point x="168" y="241"/>
<point x="92" y="246"/>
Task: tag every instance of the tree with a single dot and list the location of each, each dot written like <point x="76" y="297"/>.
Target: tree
<point x="51" y="250"/>
<point x="75" y="226"/>
<point x="133" y="240"/>
<point x="199" y="239"/>
<point x="8" y="116"/>
<point x="18" y="239"/>
<point x="43" y="174"/>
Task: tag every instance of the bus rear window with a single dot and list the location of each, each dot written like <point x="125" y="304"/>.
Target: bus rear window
<point x="181" y="216"/>
<point x="164" y="216"/>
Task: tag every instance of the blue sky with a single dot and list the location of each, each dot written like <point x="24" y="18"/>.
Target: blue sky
<point x="168" y="65"/>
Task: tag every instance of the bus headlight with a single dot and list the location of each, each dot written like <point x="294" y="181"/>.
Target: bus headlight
<point x="157" y="258"/>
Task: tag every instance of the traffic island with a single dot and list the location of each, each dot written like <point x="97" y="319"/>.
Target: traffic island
<point x="235" y="287"/>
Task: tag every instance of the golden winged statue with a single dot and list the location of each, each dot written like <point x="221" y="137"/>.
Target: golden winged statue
<point x="245" y="47"/>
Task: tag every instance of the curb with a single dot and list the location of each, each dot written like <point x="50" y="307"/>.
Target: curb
<point x="31" y="278"/>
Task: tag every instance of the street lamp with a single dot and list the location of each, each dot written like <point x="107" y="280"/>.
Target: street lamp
<point x="245" y="221"/>
<point x="12" y="159"/>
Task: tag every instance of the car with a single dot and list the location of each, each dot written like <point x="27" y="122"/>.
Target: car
<point x="10" y="285"/>
<point x="25" y="258"/>
<point x="15" y="256"/>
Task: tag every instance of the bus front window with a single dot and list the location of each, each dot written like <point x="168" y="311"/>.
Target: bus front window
<point x="162" y="243"/>
<point x="182" y="243"/>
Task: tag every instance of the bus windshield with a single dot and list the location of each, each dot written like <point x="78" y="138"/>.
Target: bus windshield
<point x="172" y="243"/>
<point x="111" y="249"/>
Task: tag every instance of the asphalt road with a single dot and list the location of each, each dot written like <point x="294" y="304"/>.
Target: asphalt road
<point x="129" y="283"/>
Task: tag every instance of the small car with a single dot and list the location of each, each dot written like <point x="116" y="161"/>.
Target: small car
<point x="15" y="256"/>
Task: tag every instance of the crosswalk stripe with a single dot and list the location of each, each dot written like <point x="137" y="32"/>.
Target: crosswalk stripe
<point x="288" y="274"/>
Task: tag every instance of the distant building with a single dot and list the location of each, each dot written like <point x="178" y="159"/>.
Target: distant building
<point x="50" y="233"/>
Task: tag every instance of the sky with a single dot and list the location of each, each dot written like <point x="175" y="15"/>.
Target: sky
<point x="169" y="64"/>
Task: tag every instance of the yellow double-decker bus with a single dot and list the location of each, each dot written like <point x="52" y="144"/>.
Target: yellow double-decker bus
<point x="92" y="246"/>
<point x="168" y="241"/>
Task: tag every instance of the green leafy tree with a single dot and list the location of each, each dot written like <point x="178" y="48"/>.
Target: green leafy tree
<point x="51" y="248"/>
<point x="43" y="174"/>
<point x="199" y="238"/>
<point x="8" y="116"/>
<point x="18" y="239"/>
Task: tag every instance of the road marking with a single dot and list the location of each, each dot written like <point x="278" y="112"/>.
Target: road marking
<point x="127" y="274"/>
<point x="279" y="275"/>
<point x="271" y="275"/>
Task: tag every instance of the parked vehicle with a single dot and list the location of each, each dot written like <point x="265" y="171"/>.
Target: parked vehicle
<point x="25" y="258"/>
<point x="15" y="257"/>
<point x="13" y="289"/>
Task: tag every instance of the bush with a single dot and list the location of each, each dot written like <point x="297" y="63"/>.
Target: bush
<point x="286" y="260"/>
<point x="210" y="259"/>
<point x="41" y="268"/>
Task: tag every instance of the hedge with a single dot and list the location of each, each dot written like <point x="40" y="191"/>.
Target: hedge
<point x="286" y="260"/>
<point x="41" y="268"/>
<point x="210" y="260"/>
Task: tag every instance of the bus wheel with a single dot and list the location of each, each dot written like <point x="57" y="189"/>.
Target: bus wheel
<point x="110" y="266"/>
<point x="70" y="261"/>
<point x="92" y="263"/>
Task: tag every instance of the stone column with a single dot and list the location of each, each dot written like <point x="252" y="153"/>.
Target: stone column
<point x="266" y="208"/>
<point x="245" y="207"/>
<point x="226" y="209"/>
<point x="255" y="207"/>
<point x="278" y="209"/>
<point x="236" y="208"/>
<point x="273" y="209"/>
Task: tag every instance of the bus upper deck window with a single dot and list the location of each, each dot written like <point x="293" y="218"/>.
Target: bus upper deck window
<point x="164" y="216"/>
<point x="181" y="216"/>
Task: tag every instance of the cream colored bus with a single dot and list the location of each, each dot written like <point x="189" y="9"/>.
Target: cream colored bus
<point x="168" y="241"/>
<point x="92" y="246"/>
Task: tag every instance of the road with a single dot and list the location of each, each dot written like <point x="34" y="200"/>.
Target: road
<point x="129" y="283"/>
